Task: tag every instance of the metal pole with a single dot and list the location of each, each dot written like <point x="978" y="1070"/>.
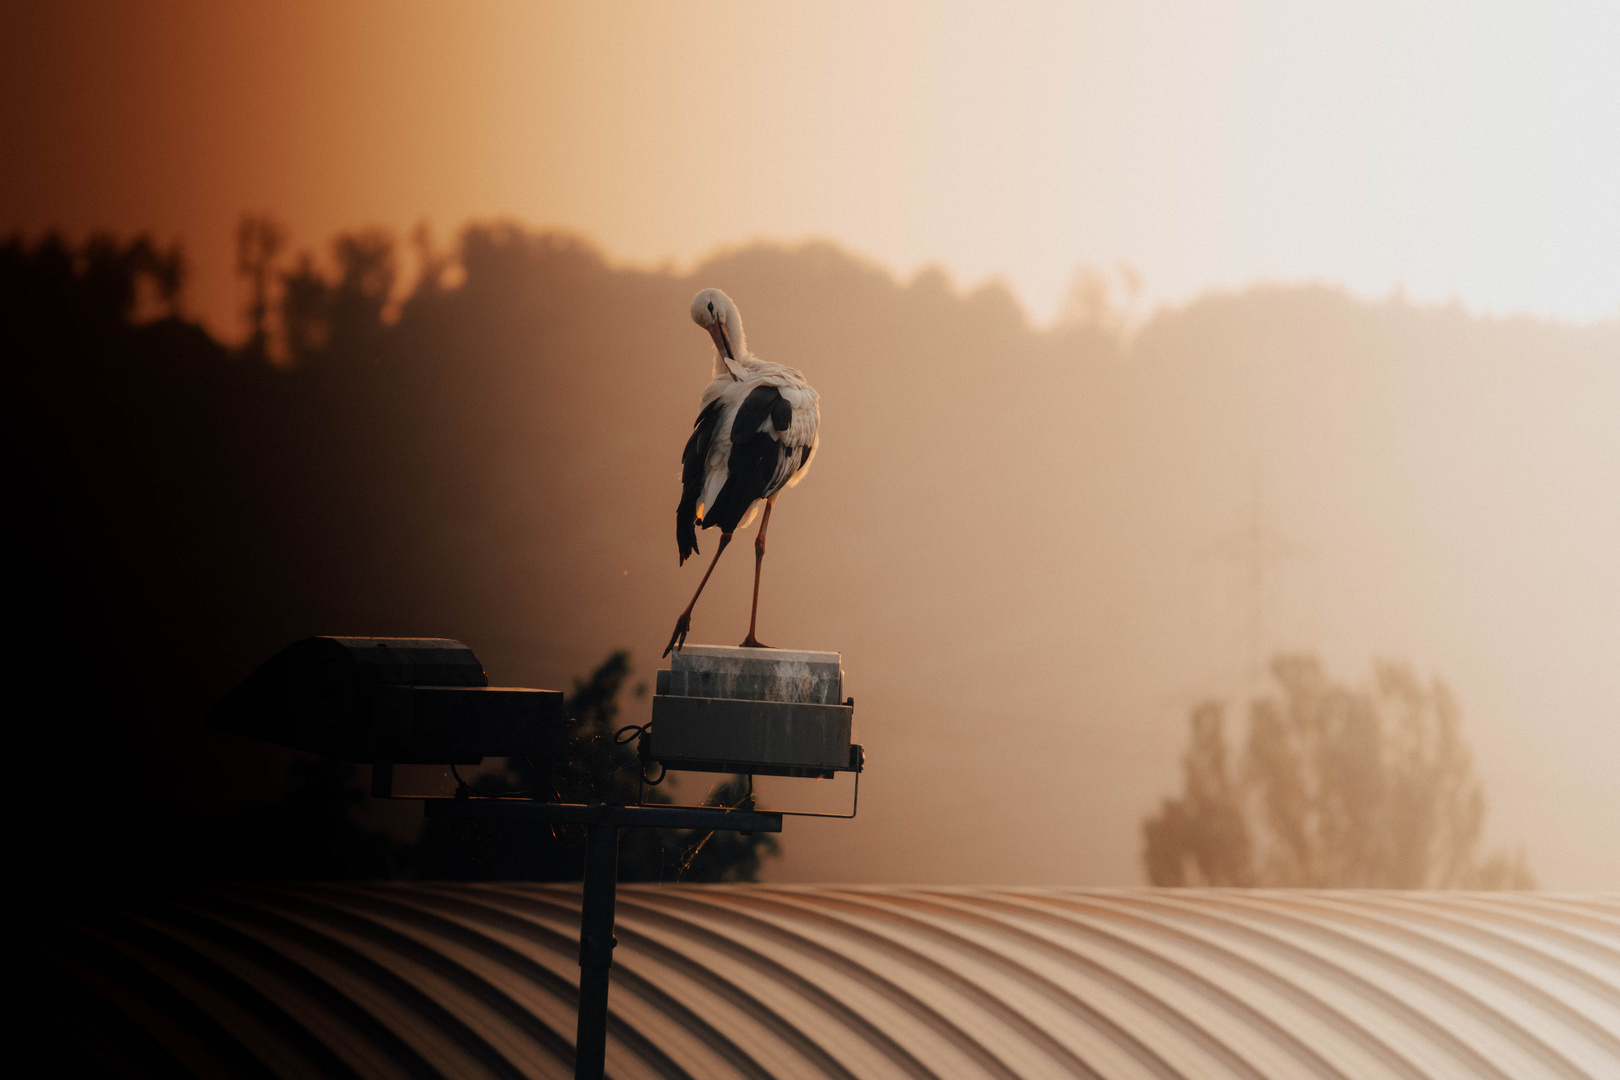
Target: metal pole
<point x="596" y="947"/>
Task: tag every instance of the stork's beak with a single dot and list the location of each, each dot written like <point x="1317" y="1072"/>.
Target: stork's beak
<point x="721" y="341"/>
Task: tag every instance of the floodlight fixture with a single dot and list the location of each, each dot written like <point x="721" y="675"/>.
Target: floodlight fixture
<point x="423" y="701"/>
<point x="757" y="712"/>
<point x="398" y="701"/>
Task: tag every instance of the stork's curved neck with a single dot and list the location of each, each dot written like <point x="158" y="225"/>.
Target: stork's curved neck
<point x="733" y="337"/>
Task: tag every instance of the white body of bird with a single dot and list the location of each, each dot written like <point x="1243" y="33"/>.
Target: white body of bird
<point x="756" y="433"/>
<point x="797" y="444"/>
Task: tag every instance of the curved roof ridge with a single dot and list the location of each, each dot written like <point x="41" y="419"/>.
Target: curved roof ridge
<point x="881" y="985"/>
<point x="856" y="982"/>
<point x="1037" y="904"/>
<point x="1494" y="974"/>
<point x="720" y="983"/>
<point x="1288" y="985"/>
<point x="814" y="911"/>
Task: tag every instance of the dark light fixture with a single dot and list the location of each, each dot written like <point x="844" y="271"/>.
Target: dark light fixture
<point x="399" y="701"/>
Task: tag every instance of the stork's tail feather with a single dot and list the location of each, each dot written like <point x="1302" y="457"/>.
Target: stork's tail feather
<point x="686" y="533"/>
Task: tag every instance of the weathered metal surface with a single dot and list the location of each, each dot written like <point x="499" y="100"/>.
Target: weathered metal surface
<point x="422" y="980"/>
<point x="766" y="737"/>
<point x="789" y="675"/>
<point x="401" y="700"/>
<point x="766" y="711"/>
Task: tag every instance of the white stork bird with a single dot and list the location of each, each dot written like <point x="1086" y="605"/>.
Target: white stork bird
<point x="755" y="435"/>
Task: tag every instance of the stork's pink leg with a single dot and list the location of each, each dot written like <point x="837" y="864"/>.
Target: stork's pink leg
<point x="684" y="623"/>
<point x="751" y="642"/>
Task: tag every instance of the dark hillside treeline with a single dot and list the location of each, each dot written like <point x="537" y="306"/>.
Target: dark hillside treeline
<point x="154" y="465"/>
<point x="1007" y="530"/>
<point x="189" y="508"/>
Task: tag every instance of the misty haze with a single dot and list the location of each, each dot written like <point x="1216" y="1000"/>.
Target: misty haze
<point x="1198" y="631"/>
<point x="1037" y="549"/>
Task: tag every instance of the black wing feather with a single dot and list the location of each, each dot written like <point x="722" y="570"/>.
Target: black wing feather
<point x="761" y="402"/>
<point x="751" y="468"/>
<point x="692" y="460"/>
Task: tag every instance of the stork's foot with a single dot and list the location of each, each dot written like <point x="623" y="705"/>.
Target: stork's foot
<point x="683" y="626"/>
<point x="752" y="642"/>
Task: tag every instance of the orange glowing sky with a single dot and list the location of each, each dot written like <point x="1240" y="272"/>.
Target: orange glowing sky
<point x="1456" y="150"/>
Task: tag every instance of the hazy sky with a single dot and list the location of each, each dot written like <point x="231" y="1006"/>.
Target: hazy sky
<point x="1456" y="149"/>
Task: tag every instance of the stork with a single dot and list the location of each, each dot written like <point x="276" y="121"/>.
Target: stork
<point x="755" y="434"/>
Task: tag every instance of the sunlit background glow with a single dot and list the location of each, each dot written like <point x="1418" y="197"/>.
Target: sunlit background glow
<point x="1453" y="150"/>
<point x="1451" y="493"/>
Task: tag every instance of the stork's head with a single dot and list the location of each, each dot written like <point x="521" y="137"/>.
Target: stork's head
<point x="714" y="311"/>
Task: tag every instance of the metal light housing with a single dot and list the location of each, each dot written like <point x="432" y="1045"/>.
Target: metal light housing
<point x="393" y="700"/>
<point x="767" y="712"/>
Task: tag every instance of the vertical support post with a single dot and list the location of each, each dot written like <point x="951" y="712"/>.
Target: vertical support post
<point x="596" y="946"/>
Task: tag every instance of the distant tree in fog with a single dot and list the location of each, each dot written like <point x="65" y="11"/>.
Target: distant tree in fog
<point x="1105" y="302"/>
<point x="1202" y="837"/>
<point x="1337" y="787"/>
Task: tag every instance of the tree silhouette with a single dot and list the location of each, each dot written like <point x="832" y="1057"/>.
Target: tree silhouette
<point x="593" y="766"/>
<point x="1202" y="837"/>
<point x="259" y="240"/>
<point x="340" y="320"/>
<point x="1338" y="787"/>
<point x="193" y="515"/>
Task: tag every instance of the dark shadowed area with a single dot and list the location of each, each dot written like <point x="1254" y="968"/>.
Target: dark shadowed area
<point x="1036" y="549"/>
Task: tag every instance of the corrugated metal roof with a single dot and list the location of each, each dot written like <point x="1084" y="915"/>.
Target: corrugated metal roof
<point x="755" y="981"/>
